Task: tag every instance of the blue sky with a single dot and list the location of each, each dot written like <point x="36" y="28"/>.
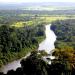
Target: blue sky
<point x="19" y="1"/>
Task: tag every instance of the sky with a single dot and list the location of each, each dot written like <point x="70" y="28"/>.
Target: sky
<point x="20" y="1"/>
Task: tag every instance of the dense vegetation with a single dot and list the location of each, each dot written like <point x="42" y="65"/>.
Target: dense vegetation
<point x="34" y="65"/>
<point x="9" y="17"/>
<point x="16" y="42"/>
<point x="21" y="31"/>
<point x="65" y="44"/>
<point x="19" y="34"/>
<point x="64" y="30"/>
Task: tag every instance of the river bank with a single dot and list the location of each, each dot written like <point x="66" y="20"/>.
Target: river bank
<point x="47" y="45"/>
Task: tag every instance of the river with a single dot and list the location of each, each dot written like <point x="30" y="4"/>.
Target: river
<point x="47" y="45"/>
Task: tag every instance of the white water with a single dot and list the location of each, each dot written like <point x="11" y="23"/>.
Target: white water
<point x="47" y="45"/>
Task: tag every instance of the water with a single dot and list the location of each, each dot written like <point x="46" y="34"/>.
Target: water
<point x="47" y="45"/>
<point x="13" y="65"/>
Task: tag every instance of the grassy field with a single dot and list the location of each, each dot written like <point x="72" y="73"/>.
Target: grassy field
<point x="45" y="19"/>
<point x="54" y="18"/>
<point x="22" y="24"/>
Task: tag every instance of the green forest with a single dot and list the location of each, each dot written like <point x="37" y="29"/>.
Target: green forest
<point x="21" y="31"/>
<point x="65" y="44"/>
<point x="16" y="42"/>
<point x="18" y="36"/>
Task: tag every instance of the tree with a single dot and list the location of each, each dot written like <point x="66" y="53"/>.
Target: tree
<point x="33" y="65"/>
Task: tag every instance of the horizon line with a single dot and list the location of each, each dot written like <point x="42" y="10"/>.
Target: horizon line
<point x="35" y="2"/>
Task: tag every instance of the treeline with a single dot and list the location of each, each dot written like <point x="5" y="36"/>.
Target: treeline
<point x="65" y="31"/>
<point x="34" y="65"/>
<point x="38" y="12"/>
<point x="11" y="16"/>
<point x="16" y="42"/>
<point x="65" y="44"/>
<point x="8" y="18"/>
